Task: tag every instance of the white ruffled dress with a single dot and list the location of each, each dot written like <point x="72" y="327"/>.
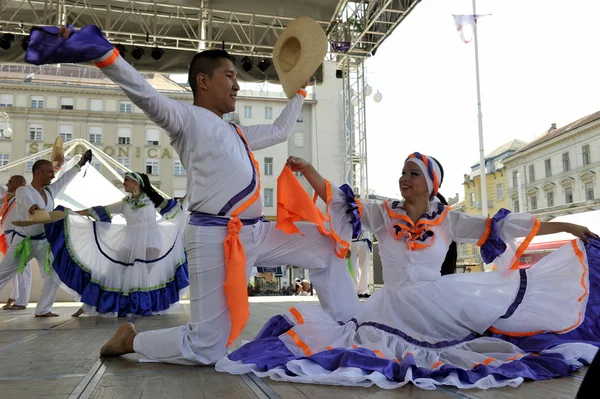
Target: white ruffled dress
<point x="466" y="330"/>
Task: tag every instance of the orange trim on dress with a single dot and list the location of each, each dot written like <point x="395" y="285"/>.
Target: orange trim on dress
<point x="580" y="299"/>
<point x="302" y="92"/>
<point x="525" y="244"/>
<point x="297" y="315"/>
<point x="486" y="232"/>
<point x="302" y="345"/>
<point x="109" y="61"/>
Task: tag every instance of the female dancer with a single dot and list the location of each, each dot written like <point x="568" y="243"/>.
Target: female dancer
<point x="429" y="326"/>
<point x="139" y="268"/>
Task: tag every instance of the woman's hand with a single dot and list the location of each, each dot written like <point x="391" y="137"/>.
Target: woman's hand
<point x="581" y="232"/>
<point x="297" y="164"/>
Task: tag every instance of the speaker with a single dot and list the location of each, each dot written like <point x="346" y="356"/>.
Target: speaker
<point x="339" y="73"/>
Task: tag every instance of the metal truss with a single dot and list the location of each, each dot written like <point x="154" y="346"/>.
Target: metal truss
<point x="355" y="165"/>
<point x="180" y="27"/>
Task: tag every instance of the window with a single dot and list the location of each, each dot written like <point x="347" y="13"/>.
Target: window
<point x="548" y="166"/>
<point x="30" y="163"/>
<point x="95" y="134"/>
<point x="589" y="191"/>
<point x="586" y="154"/>
<point x="4" y="159"/>
<point x="66" y="103"/>
<point x="96" y="105"/>
<point x="124" y="136"/>
<point x="565" y="161"/>
<point x="515" y="205"/>
<point x="299" y="140"/>
<point x="515" y="179"/>
<point x="531" y="173"/>
<point x="65" y="132"/>
<point x="125" y="107"/>
<point x="499" y="191"/>
<point x="550" y="198"/>
<point x="178" y="169"/>
<point x="124" y="162"/>
<point x="268" y="167"/>
<point x="268" y="197"/>
<point x="37" y="102"/>
<point x="569" y="195"/>
<point x="151" y="166"/>
<point x="152" y="136"/>
<point x="35" y="132"/>
<point x="472" y="199"/>
<point x="300" y="119"/>
<point x="6" y="100"/>
<point x="533" y="202"/>
<point x="268" y="112"/>
<point x="247" y="111"/>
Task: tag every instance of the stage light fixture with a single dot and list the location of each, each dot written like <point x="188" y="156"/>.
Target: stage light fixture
<point x="121" y="49"/>
<point x="246" y="64"/>
<point x="264" y="65"/>
<point x="157" y="53"/>
<point x="137" y="53"/>
<point x="6" y="40"/>
<point x="25" y="42"/>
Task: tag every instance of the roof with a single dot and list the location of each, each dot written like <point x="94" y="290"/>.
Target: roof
<point x="68" y="75"/>
<point x="554" y="133"/>
<point x="513" y="145"/>
<point x="183" y="27"/>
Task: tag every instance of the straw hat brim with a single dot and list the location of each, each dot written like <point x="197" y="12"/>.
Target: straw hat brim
<point x="55" y="216"/>
<point x="57" y="149"/>
<point x="298" y="53"/>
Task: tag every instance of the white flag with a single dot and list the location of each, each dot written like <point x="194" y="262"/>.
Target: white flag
<point x="465" y="26"/>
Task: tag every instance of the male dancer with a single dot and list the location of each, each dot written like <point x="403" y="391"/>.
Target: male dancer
<point x="21" y="283"/>
<point x="227" y="234"/>
<point x="38" y="195"/>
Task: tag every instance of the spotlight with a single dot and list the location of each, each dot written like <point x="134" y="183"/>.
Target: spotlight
<point x="264" y="65"/>
<point x="6" y="40"/>
<point x="121" y="49"/>
<point x="157" y="53"/>
<point x="246" y="64"/>
<point x="25" y="42"/>
<point x="137" y="53"/>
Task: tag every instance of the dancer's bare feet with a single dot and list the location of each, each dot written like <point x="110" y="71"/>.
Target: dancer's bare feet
<point x="78" y="313"/>
<point x="49" y="314"/>
<point x="9" y="303"/>
<point x="121" y="343"/>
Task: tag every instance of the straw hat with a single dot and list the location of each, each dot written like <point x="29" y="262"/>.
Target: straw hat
<point x="299" y="51"/>
<point x="57" y="150"/>
<point x="41" y="216"/>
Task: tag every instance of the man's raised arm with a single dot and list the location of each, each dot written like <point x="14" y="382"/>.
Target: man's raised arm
<point x="263" y="136"/>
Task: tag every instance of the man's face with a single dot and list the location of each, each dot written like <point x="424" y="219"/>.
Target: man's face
<point x="13" y="184"/>
<point x="45" y="174"/>
<point x="222" y="87"/>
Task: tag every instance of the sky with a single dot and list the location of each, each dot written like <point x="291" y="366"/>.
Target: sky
<point x="539" y="64"/>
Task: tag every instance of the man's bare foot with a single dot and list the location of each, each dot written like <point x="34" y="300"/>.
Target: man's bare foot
<point x="78" y="313"/>
<point x="121" y="343"/>
<point x="9" y="303"/>
<point x="49" y="314"/>
<point x="15" y="307"/>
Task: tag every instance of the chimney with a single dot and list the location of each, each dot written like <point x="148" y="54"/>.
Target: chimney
<point x="553" y="126"/>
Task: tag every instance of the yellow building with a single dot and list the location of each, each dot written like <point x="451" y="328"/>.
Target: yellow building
<point x="496" y="188"/>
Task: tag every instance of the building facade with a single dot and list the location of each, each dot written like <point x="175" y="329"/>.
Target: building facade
<point x="72" y="102"/>
<point x="496" y="189"/>
<point x="556" y="173"/>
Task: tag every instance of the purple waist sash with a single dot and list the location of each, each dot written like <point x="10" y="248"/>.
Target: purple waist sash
<point x="206" y="219"/>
